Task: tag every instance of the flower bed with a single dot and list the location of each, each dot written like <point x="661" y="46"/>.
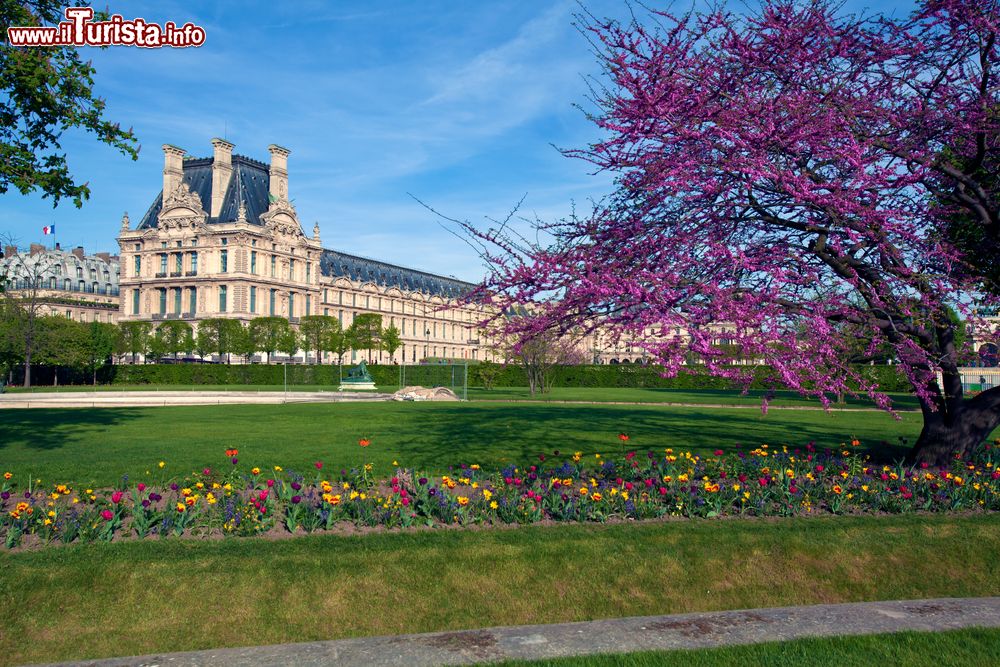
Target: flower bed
<point x="234" y="500"/>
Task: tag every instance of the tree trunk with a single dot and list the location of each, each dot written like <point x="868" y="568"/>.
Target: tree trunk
<point x="27" y="370"/>
<point x="947" y="436"/>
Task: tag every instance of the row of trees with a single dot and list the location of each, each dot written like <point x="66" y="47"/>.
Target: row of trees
<point x="54" y="340"/>
<point x="268" y="335"/>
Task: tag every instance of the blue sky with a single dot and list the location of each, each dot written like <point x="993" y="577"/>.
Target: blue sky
<point x="457" y="103"/>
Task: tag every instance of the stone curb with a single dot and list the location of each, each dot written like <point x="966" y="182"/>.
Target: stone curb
<point x="532" y="642"/>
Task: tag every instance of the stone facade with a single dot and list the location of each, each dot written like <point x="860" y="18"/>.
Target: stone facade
<point x="68" y="283"/>
<point x="223" y="239"/>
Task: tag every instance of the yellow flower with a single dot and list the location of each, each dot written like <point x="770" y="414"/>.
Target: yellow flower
<point x="493" y="505"/>
<point x="837" y="489"/>
<point x="363" y="496"/>
<point x="200" y="485"/>
<point x="746" y="495"/>
<point x="179" y="507"/>
<point x="624" y="495"/>
<point x="161" y="464"/>
<point x="577" y="456"/>
<point x="185" y="492"/>
<point x="864" y="487"/>
<point x="354" y="495"/>
<point x="463" y="501"/>
<point x="584" y="490"/>
<point x="278" y="468"/>
<point x="255" y="471"/>
<point x="736" y="487"/>
<point x="52" y="513"/>
<point x="210" y="498"/>
<point x="597" y="456"/>
<point x="346" y="486"/>
<point x="7" y="475"/>
<point x="89" y="491"/>
<point x="227" y="486"/>
<point x="474" y="466"/>
<point x="487" y="494"/>
<point x="682" y="478"/>
<point x="597" y="496"/>
<point x="216" y="485"/>
<point x="334" y="499"/>
<point x="395" y="463"/>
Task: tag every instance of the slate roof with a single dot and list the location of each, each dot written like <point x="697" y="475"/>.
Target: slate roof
<point x="339" y="264"/>
<point x="250" y="176"/>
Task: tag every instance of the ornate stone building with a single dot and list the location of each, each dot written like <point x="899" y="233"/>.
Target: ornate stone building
<point x="64" y="282"/>
<point x="222" y="239"/>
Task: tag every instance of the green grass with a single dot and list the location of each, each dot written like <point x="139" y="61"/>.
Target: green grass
<point x="652" y="395"/>
<point x="975" y="646"/>
<point x="76" y="388"/>
<point x="88" y="601"/>
<point x="97" y="446"/>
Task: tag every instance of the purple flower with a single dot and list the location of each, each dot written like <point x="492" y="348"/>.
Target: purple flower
<point x="235" y="460"/>
<point x="422" y="481"/>
<point x="145" y="503"/>
<point x="5" y="495"/>
<point x="432" y="492"/>
<point x="296" y="486"/>
<point x="27" y="494"/>
<point x="296" y="500"/>
<point x="174" y="487"/>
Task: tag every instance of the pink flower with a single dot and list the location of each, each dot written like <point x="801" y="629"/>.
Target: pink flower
<point x="319" y="465"/>
<point x="405" y="501"/>
<point x="116" y="497"/>
<point x="107" y="515"/>
<point x="141" y="487"/>
<point x="262" y="495"/>
<point x="718" y="452"/>
<point x="270" y="483"/>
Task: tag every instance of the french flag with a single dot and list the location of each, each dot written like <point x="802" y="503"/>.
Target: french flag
<point x="51" y="229"/>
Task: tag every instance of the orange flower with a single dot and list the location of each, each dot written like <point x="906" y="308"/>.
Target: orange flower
<point x="232" y="452"/>
<point x="623" y="437"/>
<point x="364" y="442"/>
<point x="837" y="489"/>
<point x="855" y="442"/>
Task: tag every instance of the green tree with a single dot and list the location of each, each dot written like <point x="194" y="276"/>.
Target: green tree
<point x="134" y="338"/>
<point x="391" y="340"/>
<point x="61" y="342"/>
<point x="174" y="337"/>
<point x="337" y="342"/>
<point x="266" y="334"/>
<point x="45" y="92"/>
<point x="219" y="335"/>
<point x="315" y="331"/>
<point x="101" y="338"/>
<point x="242" y="343"/>
<point x="289" y="343"/>
<point x="365" y="333"/>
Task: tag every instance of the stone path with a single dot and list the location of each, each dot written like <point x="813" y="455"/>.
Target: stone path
<point x="530" y="642"/>
<point x="120" y="399"/>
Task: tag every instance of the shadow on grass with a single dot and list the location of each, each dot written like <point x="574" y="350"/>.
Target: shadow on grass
<point x="523" y="432"/>
<point x="50" y="429"/>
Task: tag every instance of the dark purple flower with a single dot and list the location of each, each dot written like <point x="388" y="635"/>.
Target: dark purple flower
<point x="296" y="500"/>
<point x="235" y="460"/>
<point x="432" y="492"/>
<point x="5" y="495"/>
<point x="27" y="494"/>
<point x="422" y="481"/>
<point x="145" y="503"/>
<point x="174" y="487"/>
<point x="296" y="486"/>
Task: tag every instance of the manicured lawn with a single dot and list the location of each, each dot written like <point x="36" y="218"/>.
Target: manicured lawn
<point x="97" y="600"/>
<point x="976" y="646"/>
<point x="649" y="395"/>
<point x="98" y="446"/>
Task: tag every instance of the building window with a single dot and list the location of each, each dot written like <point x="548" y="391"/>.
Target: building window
<point x="163" y="263"/>
<point x="224" y="261"/>
<point x="340" y="298"/>
<point x="326" y="312"/>
<point x="163" y="300"/>
<point x="291" y="304"/>
<point x="163" y="244"/>
<point x="138" y="247"/>
<point x="194" y="262"/>
<point x="135" y="302"/>
<point x="326" y="296"/>
<point x="79" y="272"/>
<point x="253" y="299"/>
<point x="222" y="298"/>
<point x="308" y="271"/>
<point x="253" y="261"/>
<point x="138" y="265"/>
<point x="178" y="262"/>
<point x="291" y="269"/>
<point x="177" y="300"/>
<point x="340" y="316"/>
<point x="225" y="241"/>
<point x="194" y="301"/>
<point x="354" y="300"/>
<point x="274" y="266"/>
<point x="307" y="305"/>
<point x="253" y="243"/>
<point x="273" y="299"/>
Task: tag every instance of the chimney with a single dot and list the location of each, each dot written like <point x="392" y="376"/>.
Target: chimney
<point x="173" y="168"/>
<point x="9" y="251"/>
<point x="58" y="247"/>
<point x="78" y="252"/>
<point x="222" y="171"/>
<point x="36" y="248"/>
<point x="279" y="172"/>
<point x="104" y="256"/>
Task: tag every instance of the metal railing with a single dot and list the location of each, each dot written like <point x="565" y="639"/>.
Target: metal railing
<point x="60" y="286"/>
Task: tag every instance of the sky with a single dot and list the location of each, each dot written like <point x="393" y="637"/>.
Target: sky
<point x="460" y="105"/>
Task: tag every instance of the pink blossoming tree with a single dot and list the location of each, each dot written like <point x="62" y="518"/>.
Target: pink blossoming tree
<point x="791" y="175"/>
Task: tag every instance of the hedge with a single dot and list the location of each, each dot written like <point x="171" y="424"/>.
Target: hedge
<point x="625" y="375"/>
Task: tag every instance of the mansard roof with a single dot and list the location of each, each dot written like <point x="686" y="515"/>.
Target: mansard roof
<point x="361" y="269"/>
<point x="251" y="177"/>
